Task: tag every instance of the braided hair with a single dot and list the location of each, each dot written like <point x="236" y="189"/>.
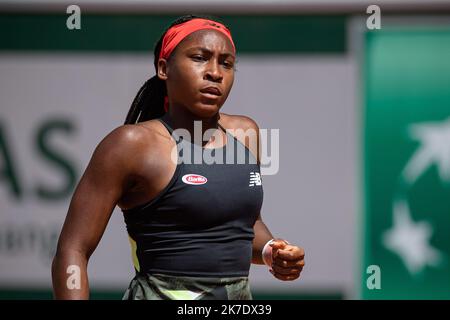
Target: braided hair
<point x="149" y="101"/>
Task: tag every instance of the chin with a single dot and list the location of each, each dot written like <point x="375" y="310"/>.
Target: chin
<point x="204" y="110"/>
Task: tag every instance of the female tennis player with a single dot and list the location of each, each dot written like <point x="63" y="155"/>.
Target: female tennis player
<point x="194" y="227"/>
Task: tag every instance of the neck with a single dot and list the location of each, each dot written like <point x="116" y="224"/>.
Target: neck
<point x="181" y="118"/>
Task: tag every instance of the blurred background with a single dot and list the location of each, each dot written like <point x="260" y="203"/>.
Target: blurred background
<point x="361" y="101"/>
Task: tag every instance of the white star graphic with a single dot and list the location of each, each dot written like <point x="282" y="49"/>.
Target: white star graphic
<point x="410" y="240"/>
<point x="435" y="148"/>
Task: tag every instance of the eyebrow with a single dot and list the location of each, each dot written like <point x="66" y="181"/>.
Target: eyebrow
<point x="209" y="51"/>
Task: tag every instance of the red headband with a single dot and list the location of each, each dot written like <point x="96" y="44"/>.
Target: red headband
<point x="178" y="32"/>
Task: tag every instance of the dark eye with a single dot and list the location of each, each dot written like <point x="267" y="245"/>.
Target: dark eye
<point x="228" y="64"/>
<point x="198" y="58"/>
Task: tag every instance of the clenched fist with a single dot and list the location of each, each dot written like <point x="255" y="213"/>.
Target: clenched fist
<point x="287" y="260"/>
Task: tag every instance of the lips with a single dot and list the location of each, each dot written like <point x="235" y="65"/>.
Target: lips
<point x="211" y="90"/>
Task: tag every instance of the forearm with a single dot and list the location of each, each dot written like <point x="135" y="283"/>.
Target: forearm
<point x="262" y="235"/>
<point x="69" y="275"/>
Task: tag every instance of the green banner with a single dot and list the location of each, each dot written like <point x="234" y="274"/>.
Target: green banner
<point x="407" y="164"/>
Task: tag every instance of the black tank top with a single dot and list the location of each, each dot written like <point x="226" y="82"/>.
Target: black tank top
<point x="201" y="223"/>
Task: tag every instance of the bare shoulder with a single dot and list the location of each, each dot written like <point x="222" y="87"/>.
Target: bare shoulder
<point x="233" y="121"/>
<point x="244" y="129"/>
<point x="131" y="141"/>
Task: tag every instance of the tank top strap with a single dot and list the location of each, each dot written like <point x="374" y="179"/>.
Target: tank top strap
<point x="168" y="127"/>
<point x="177" y="138"/>
<point x="223" y="129"/>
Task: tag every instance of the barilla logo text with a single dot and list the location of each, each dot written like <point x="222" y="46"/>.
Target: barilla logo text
<point x="194" y="179"/>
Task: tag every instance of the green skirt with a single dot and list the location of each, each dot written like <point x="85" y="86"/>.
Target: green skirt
<point x="167" y="287"/>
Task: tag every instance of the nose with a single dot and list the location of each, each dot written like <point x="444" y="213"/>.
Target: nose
<point x="213" y="72"/>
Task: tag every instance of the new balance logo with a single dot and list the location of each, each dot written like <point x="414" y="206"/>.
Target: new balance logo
<point x="255" y="179"/>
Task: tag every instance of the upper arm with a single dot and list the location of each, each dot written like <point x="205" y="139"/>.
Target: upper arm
<point x="98" y="191"/>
